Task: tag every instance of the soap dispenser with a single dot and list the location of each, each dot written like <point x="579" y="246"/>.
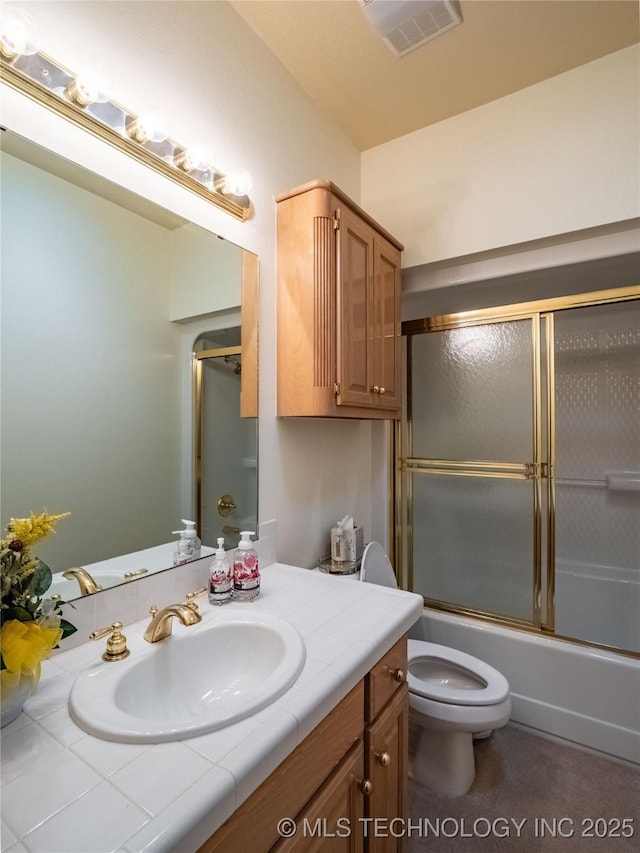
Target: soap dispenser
<point x="182" y="554"/>
<point x="194" y="546"/>
<point x="246" y="573"/>
<point x="220" y="577"/>
<point x="191" y="536"/>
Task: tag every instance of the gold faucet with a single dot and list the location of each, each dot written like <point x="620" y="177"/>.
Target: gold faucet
<point x="160" y="626"/>
<point x="86" y="582"/>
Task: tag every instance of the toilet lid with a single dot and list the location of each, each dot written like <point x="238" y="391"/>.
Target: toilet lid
<point x="376" y="567"/>
<point x="448" y="675"/>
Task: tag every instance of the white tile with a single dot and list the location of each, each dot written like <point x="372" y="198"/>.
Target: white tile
<point x="101" y="821"/>
<point x="216" y="745"/>
<point x="24" y="749"/>
<point x="323" y="646"/>
<point x="256" y="757"/>
<point x="306" y="706"/>
<point x="7" y="836"/>
<point x="51" y="694"/>
<point x="190" y="819"/>
<point x="106" y="757"/>
<point x="60" y="726"/>
<point x="18" y="847"/>
<point x="38" y="794"/>
<point x="161" y="774"/>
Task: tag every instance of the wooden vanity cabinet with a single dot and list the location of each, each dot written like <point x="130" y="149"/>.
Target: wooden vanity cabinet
<point x="338" y="308"/>
<point x="349" y="771"/>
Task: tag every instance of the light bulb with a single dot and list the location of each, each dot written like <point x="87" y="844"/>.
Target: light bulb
<point x="147" y="127"/>
<point x="193" y="159"/>
<point x="235" y="183"/>
<point x="18" y="35"/>
<point x="88" y="86"/>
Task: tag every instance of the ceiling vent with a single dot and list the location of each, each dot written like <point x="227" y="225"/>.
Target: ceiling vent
<point x="406" y="24"/>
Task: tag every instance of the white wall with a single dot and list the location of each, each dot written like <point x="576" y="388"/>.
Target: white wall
<point x="557" y="157"/>
<point x="206" y="273"/>
<point x="219" y="85"/>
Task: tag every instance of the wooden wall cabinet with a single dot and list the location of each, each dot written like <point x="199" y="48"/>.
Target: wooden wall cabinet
<point x="349" y="771"/>
<point x="338" y="308"/>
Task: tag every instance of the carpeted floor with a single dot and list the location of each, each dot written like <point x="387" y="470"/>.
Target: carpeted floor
<point x="532" y="795"/>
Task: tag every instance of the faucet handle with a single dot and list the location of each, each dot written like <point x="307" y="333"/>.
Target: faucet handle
<point x="191" y="595"/>
<point x="116" y="644"/>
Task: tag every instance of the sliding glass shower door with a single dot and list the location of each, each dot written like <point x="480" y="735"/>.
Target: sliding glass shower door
<point x="519" y="466"/>
<point x="475" y="453"/>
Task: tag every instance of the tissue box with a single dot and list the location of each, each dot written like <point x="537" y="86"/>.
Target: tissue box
<point x="354" y="544"/>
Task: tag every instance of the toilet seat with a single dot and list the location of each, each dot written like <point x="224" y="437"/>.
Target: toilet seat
<point x="492" y="687"/>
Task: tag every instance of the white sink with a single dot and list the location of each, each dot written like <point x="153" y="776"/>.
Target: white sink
<point x="200" y="679"/>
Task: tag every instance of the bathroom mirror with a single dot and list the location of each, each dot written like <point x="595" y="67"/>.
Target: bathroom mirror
<point x="104" y="295"/>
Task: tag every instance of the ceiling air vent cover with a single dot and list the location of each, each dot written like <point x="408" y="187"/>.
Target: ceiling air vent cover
<point x="406" y="24"/>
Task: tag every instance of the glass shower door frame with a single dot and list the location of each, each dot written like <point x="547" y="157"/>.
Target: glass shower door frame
<point x="533" y="470"/>
<point x="541" y="469"/>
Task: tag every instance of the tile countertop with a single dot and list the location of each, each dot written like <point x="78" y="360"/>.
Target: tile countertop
<point x="64" y="790"/>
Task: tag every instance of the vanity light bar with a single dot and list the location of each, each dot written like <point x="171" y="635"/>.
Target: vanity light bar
<point x="49" y="83"/>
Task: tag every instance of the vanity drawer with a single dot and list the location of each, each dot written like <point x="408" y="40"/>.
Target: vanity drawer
<point x="385" y="678"/>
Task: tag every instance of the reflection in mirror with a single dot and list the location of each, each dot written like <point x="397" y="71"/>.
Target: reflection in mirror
<point x="103" y="296"/>
<point x="226" y="457"/>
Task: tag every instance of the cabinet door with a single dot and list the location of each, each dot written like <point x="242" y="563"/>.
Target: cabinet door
<point x="354" y="310"/>
<point x="386" y="752"/>
<point x="386" y="326"/>
<point x="332" y="819"/>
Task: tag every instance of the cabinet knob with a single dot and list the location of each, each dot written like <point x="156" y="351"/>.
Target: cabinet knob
<point x="366" y="787"/>
<point x="383" y="758"/>
<point x="375" y="389"/>
<point x="382" y="389"/>
<point x="399" y="675"/>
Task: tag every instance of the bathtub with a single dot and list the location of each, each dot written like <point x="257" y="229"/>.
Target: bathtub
<point x="580" y="694"/>
<point x="598" y="603"/>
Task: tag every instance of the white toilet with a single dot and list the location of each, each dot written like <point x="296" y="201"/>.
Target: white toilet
<point x="452" y="696"/>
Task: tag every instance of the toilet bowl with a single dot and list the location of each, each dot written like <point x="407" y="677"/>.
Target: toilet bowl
<point x="452" y="696"/>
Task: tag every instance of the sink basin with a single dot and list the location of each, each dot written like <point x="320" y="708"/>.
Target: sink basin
<point x="200" y="679"/>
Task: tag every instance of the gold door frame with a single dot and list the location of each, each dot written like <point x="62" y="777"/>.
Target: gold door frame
<point x="198" y="358"/>
<point x="541" y="313"/>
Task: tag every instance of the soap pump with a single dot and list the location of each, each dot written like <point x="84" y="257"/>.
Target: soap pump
<point x="246" y="573"/>
<point x="194" y="546"/>
<point x="220" y="577"/>
<point x="182" y="554"/>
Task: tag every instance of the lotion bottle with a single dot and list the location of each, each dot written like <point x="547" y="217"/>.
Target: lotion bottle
<point x="246" y="573"/>
<point x="220" y="577"/>
<point x="338" y="544"/>
<point x="194" y="546"/>
<point x="181" y="555"/>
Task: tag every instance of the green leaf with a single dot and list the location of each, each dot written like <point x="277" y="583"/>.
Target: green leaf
<point x="40" y="580"/>
<point x="67" y="628"/>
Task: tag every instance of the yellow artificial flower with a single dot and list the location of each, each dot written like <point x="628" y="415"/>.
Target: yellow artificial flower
<point x="34" y="528"/>
<point x="24" y="644"/>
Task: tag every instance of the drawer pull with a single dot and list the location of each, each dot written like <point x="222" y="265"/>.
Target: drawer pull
<point x="366" y="787"/>
<point x="383" y="758"/>
<point x="399" y="675"/>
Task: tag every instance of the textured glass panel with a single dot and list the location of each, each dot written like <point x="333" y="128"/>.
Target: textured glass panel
<point x="473" y="542"/>
<point x="597" y="357"/>
<point x="472" y="393"/>
<point x="229" y="454"/>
